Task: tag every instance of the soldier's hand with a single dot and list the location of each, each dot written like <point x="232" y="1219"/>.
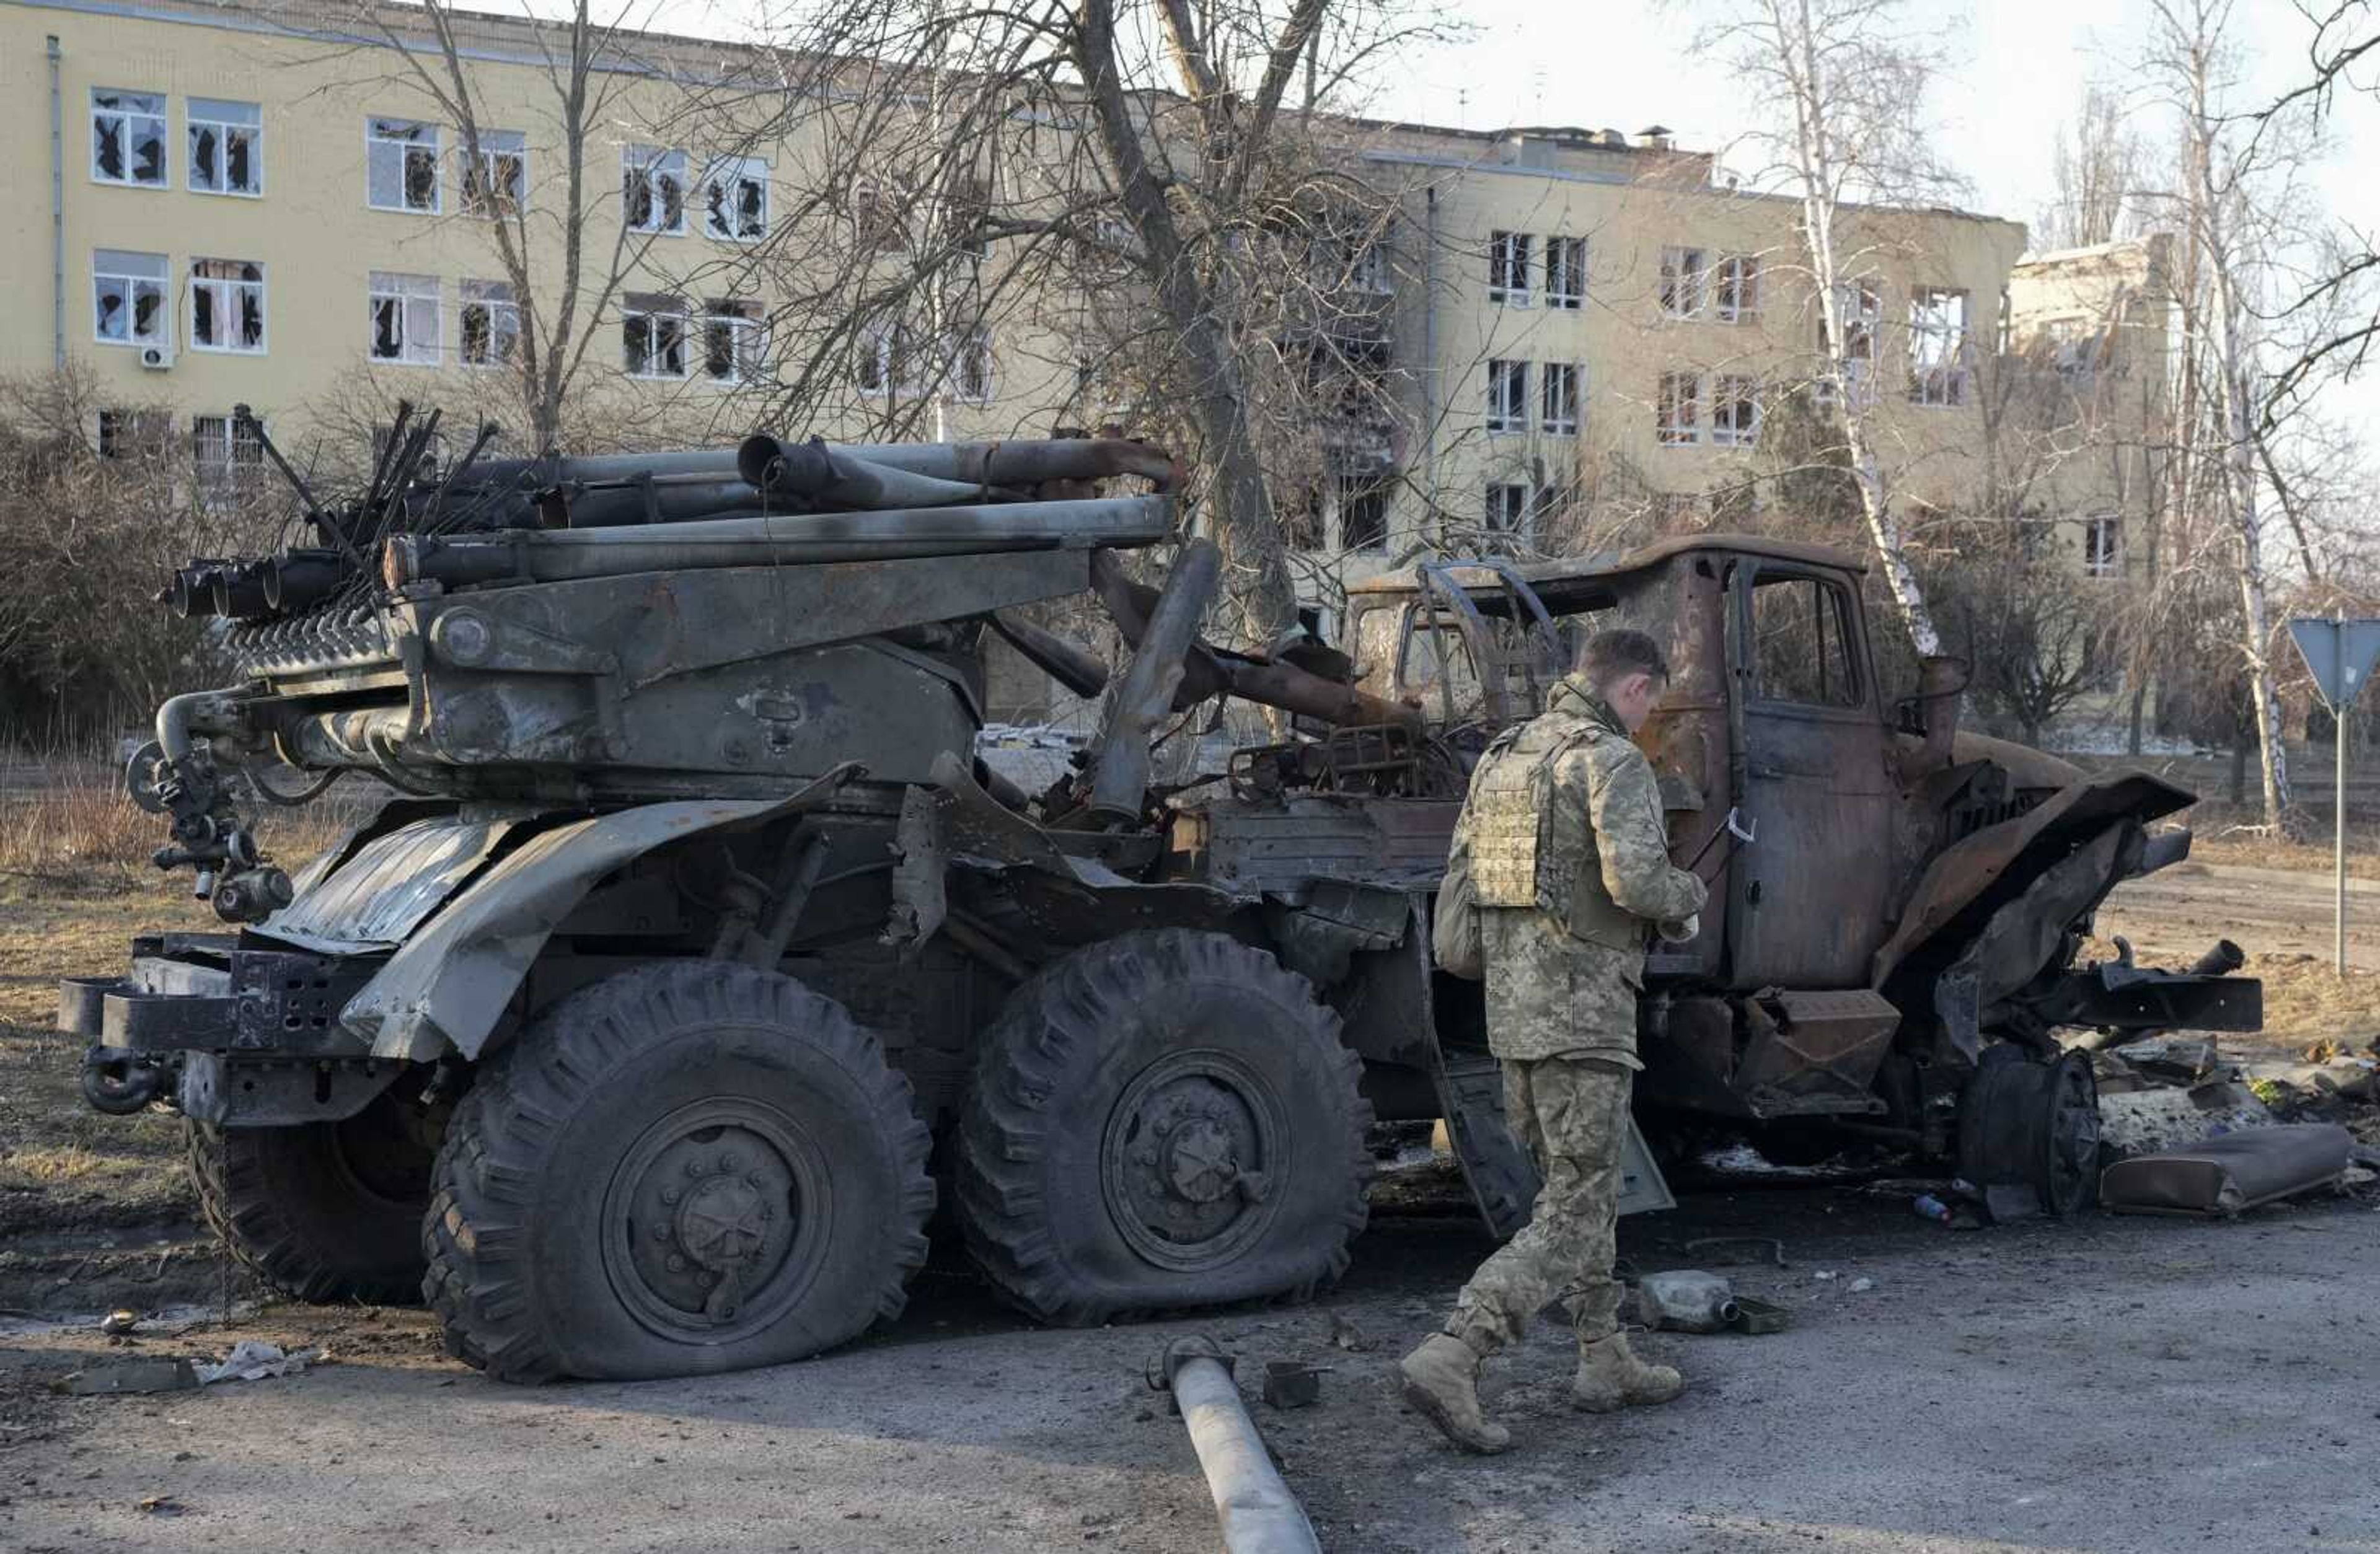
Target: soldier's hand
<point x="1680" y="930"/>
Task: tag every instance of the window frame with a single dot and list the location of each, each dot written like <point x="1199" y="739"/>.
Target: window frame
<point x="1508" y="396"/>
<point x="1669" y="429"/>
<point x="654" y="308"/>
<point x="147" y="438"/>
<point x="748" y="340"/>
<point x="647" y="163"/>
<point x="435" y="148"/>
<point x="1757" y="572"/>
<point x="971" y="343"/>
<point x="2101" y="564"/>
<point x="1735" y="289"/>
<point x="1508" y="268"/>
<point x="162" y="113"/>
<point x="1952" y="371"/>
<point x="388" y="287"/>
<point x="1571" y="272"/>
<point x="1730" y="391"/>
<point x="193" y="120"/>
<point x="231" y="485"/>
<point x="476" y="202"/>
<point x="472" y="294"/>
<point x="1685" y="278"/>
<point x="238" y="284"/>
<point x="1860" y="303"/>
<point x="1548" y="374"/>
<point x="162" y="317"/>
<point x="720" y="173"/>
<point x="1349" y="490"/>
<point x="1500" y="494"/>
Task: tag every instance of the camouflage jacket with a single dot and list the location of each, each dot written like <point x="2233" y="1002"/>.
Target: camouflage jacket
<point x="1563" y="835"/>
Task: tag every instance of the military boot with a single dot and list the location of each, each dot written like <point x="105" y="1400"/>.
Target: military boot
<point x="1442" y="1381"/>
<point x="1611" y="1376"/>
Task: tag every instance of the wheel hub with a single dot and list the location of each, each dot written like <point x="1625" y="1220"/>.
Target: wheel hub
<point x="1187" y="1151"/>
<point x="706" y="1209"/>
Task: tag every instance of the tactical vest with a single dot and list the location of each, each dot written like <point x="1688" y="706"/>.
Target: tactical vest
<point x="1533" y="842"/>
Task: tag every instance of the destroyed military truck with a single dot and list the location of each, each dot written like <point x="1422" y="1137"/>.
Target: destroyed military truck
<point x="696" y="957"/>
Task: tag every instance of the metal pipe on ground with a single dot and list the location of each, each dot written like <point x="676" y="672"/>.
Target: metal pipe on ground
<point x="562" y="555"/>
<point x="1121" y="764"/>
<point x="1258" y="1512"/>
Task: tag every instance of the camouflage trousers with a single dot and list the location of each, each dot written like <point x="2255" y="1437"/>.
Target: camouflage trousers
<point x="1572" y="1113"/>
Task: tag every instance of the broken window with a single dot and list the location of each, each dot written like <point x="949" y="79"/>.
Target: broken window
<point x="401" y="165"/>
<point x="227" y="147"/>
<point x="1508" y="396"/>
<point x="1508" y="507"/>
<point x="1860" y="304"/>
<point x="227" y="456"/>
<point x="227" y="305"/>
<point x="1677" y="411"/>
<point x="652" y="336"/>
<point x="2074" y="346"/>
<point x="1801" y="641"/>
<point x="877" y="223"/>
<point x="492" y="323"/>
<point x="1938" y="346"/>
<point x="128" y="295"/>
<point x="495" y="183"/>
<point x="134" y="435"/>
<point x="1559" y="416"/>
<point x="1508" y="269"/>
<point x="2102" y="554"/>
<point x="1300" y="512"/>
<point x="967" y="213"/>
<point x="1684" y="274"/>
<point x="1735" y="411"/>
<point x="888" y="360"/>
<point x="128" y="137"/>
<point x="736" y="199"/>
<point x="403" y="310"/>
<point x="652" y="184"/>
<point x="971" y="366"/>
<point x="1363" y="513"/>
<point x="731" y="342"/>
<point x="1566" y="272"/>
<point x="1735" y="289"/>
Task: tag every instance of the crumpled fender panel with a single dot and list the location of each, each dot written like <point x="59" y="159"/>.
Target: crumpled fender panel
<point x="1968" y="882"/>
<point x="448" y="985"/>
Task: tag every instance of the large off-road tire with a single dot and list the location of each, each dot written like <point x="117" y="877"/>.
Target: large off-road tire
<point x="687" y="1167"/>
<point x="1166" y="1119"/>
<point x="323" y="1211"/>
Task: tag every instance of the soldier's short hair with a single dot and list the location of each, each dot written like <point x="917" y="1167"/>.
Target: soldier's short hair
<point x="1612" y="655"/>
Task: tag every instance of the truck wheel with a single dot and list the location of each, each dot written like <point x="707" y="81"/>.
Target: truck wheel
<point x="1164" y="1119"/>
<point x="687" y="1167"/>
<point x="323" y="1211"/>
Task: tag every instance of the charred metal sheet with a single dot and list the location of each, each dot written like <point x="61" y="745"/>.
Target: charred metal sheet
<point x="1386" y="1010"/>
<point x="1277" y="846"/>
<point x="390" y="886"/>
<point x="1968" y="881"/>
<point x="1815" y="1051"/>
<point x="263" y="1093"/>
<point x="1689" y="1055"/>
<point x="2155" y="1000"/>
<point x="447" y="987"/>
<point x="1317" y="936"/>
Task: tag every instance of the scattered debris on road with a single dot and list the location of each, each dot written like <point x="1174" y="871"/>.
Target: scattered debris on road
<point x="129" y="1377"/>
<point x="2234" y="1172"/>
<point x="251" y="1360"/>
<point x="1259" y="1513"/>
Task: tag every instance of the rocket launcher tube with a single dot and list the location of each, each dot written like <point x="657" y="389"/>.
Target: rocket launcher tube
<point x="559" y="555"/>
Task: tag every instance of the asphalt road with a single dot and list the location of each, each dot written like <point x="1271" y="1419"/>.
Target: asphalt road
<point x="2109" y="1384"/>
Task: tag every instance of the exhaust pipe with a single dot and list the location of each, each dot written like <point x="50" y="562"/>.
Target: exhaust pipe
<point x="2221" y="961"/>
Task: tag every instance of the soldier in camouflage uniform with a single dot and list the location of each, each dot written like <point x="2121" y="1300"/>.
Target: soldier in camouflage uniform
<point x="1568" y="856"/>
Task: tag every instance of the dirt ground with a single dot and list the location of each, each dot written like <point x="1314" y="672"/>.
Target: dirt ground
<point x="2106" y="1384"/>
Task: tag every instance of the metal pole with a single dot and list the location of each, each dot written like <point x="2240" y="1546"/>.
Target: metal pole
<point x="1259" y="1513"/>
<point x="2338" y="716"/>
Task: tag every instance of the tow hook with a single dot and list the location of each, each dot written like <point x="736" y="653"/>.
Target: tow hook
<point x="118" y="1082"/>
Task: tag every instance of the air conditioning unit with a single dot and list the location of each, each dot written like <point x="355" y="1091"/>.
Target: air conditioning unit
<point x="156" y="359"/>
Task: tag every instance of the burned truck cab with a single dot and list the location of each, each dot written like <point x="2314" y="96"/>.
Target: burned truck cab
<point x="1897" y="905"/>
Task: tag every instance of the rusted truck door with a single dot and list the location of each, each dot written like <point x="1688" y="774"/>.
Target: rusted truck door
<point x="1810" y="755"/>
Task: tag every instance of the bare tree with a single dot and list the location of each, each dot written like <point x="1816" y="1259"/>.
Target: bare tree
<point x="1841" y="84"/>
<point x="1133" y="201"/>
<point x="2222" y="207"/>
<point x="2095" y="169"/>
<point x="550" y="201"/>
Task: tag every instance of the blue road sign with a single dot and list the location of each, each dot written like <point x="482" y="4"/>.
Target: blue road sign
<point x="2340" y="654"/>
